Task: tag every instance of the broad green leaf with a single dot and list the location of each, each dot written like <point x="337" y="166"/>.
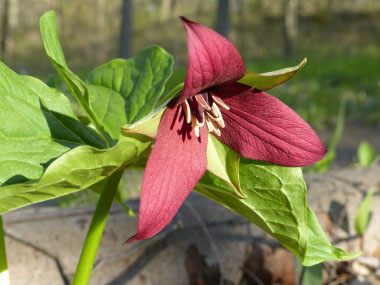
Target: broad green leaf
<point x="223" y="162"/>
<point x="362" y="215"/>
<point x="276" y="202"/>
<point x="77" y="169"/>
<point x="140" y="81"/>
<point x="319" y="248"/>
<point x="366" y="154"/>
<point x="37" y="125"/>
<point x="108" y="107"/>
<point x="49" y="32"/>
<point x="265" y="81"/>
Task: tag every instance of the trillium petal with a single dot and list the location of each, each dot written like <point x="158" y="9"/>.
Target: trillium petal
<point x="261" y="127"/>
<point x="212" y="60"/>
<point x="177" y="162"/>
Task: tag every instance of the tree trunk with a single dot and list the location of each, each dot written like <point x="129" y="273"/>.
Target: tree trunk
<point x="126" y="29"/>
<point x="165" y="8"/>
<point x="291" y="27"/>
<point x="241" y="28"/>
<point x="4" y="28"/>
<point x="222" y="18"/>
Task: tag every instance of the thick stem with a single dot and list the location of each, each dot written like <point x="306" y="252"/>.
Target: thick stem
<point x="95" y="232"/>
<point x="4" y="278"/>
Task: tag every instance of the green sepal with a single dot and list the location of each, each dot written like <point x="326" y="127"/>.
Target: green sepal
<point x="266" y="81"/>
<point x="224" y="162"/>
<point x="147" y="126"/>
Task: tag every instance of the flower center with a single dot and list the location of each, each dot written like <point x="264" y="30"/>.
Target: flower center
<point x="204" y="108"/>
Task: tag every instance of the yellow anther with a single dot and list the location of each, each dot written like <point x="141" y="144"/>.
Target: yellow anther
<point x="220" y="102"/>
<point x="201" y="101"/>
<point x="186" y="109"/>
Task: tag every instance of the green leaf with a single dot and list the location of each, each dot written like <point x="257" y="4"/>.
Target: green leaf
<point x="49" y="32"/>
<point x="276" y="202"/>
<point x="265" y="81"/>
<point x="37" y="125"/>
<point x="108" y="107"/>
<point x="319" y="248"/>
<point x="366" y="154"/>
<point x="362" y="215"/>
<point x="140" y="81"/>
<point x="76" y="170"/>
<point x="223" y="162"/>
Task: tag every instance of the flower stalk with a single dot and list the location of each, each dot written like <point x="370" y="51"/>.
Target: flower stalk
<point x="4" y="277"/>
<point x="95" y="231"/>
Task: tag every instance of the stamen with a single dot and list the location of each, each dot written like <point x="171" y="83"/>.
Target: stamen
<point x="220" y="122"/>
<point x="198" y="112"/>
<point x="215" y="110"/>
<point x="196" y="130"/>
<point x="200" y="124"/>
<point x="217" y="132"/>
<point x="209" y="125"/>
<point x="195" y="124"/>
<point x="201" y="101"/>
<point x="220" y="102"/>
<point x="214" y="128"/>
<point x="186" y="109"/>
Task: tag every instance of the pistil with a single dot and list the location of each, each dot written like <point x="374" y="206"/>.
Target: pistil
<point x="198" y="111"/>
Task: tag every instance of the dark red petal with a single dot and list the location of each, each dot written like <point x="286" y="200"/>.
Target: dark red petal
<point x="212" y="60"/>
<point x="261" y="127"/>
<point x="177" y="162"/>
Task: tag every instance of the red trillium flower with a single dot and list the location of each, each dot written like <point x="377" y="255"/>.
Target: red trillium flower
<point x="253" y="123"/>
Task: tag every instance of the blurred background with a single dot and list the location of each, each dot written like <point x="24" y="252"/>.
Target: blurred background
<point x="340" y="38"/>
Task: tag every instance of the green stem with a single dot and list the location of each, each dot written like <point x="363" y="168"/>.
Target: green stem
<point x="169" y="96"/>
<point x="95" y="232"/>
<point x="4" y="279"/>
